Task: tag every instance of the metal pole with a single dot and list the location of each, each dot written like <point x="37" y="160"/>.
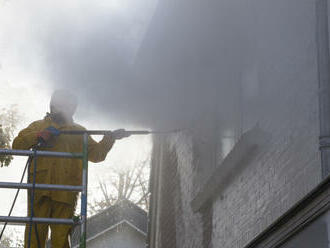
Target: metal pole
<point x="104" y="132"/>
<point x="40" y="153"/>
<point x="84" y="193"/>
<point x="15" y="219"/>
<point x="32" y="200"/>
<point x="9" y="185"/>
<point x="127" y="132"/>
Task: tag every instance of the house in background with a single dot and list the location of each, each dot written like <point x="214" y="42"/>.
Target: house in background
<point x="252" y="170"/>
<point x="123" y="225"/>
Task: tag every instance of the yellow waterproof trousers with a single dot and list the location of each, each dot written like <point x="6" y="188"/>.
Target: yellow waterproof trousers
<point x="45" y="207"/>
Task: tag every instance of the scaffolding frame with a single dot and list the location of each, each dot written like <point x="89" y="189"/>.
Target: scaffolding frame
<point x="34" y="186"/>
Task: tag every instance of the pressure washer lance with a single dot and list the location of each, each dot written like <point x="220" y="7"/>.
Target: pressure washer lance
<point x="120" y="133"/>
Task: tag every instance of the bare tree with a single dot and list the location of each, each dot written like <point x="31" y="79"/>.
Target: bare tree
<point x="8" y="123"/>
<point x="9" y="241"/>
<point x="130" y="183"/>
<point x="6" y="242"/>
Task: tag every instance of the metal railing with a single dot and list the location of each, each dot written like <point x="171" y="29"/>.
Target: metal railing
<point x="34" y="186"/>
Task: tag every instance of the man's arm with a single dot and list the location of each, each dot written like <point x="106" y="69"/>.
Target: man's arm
<point x="27" y="137"/>
<point x="97" y="151"/>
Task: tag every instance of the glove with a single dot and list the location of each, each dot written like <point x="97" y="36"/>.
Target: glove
<point x="119" y="134"/>
<point x="47" y="134"/>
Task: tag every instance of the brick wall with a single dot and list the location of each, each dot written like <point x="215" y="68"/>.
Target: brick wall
<point x="279" y="93"/>
<point x="289" y="166"/>
<point x="176" y="225"/>
<point x="276" y="177"/>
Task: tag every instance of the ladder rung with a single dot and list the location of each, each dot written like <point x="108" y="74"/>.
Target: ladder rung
<point x="15" y="219"/>
<point x="12" y="224"/>
<point x="9" y="185"/>
<point x="40" y="153"/>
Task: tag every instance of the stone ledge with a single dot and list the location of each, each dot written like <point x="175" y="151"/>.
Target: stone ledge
<point x="243" y="151"/>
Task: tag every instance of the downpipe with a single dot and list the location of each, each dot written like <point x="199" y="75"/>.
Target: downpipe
<point x="322" y="41"/>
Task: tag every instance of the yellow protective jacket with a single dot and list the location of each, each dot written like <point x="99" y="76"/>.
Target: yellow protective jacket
<point x="60" y="170"/>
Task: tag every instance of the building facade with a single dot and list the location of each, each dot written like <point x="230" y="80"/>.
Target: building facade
<point x="249" y="172"/>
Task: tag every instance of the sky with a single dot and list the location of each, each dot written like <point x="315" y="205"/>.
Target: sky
<point x="24" y="73"/>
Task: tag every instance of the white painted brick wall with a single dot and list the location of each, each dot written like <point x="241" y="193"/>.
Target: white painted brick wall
<point x="288" y="167"/>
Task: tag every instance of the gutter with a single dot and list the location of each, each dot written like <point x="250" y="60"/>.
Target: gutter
<point x="323" y="60"/>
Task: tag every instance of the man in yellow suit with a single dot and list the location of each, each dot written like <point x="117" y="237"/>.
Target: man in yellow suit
<point x="57" y="204"/>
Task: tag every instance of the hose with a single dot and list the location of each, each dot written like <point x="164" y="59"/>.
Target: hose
<point x="15" y="198"/>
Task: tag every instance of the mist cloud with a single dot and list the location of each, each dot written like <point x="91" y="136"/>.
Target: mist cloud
<point x="169" y="80"/>
<point x="184" y="64"/>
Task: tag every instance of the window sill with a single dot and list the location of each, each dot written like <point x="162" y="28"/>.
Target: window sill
<point x="232" y="165"/>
